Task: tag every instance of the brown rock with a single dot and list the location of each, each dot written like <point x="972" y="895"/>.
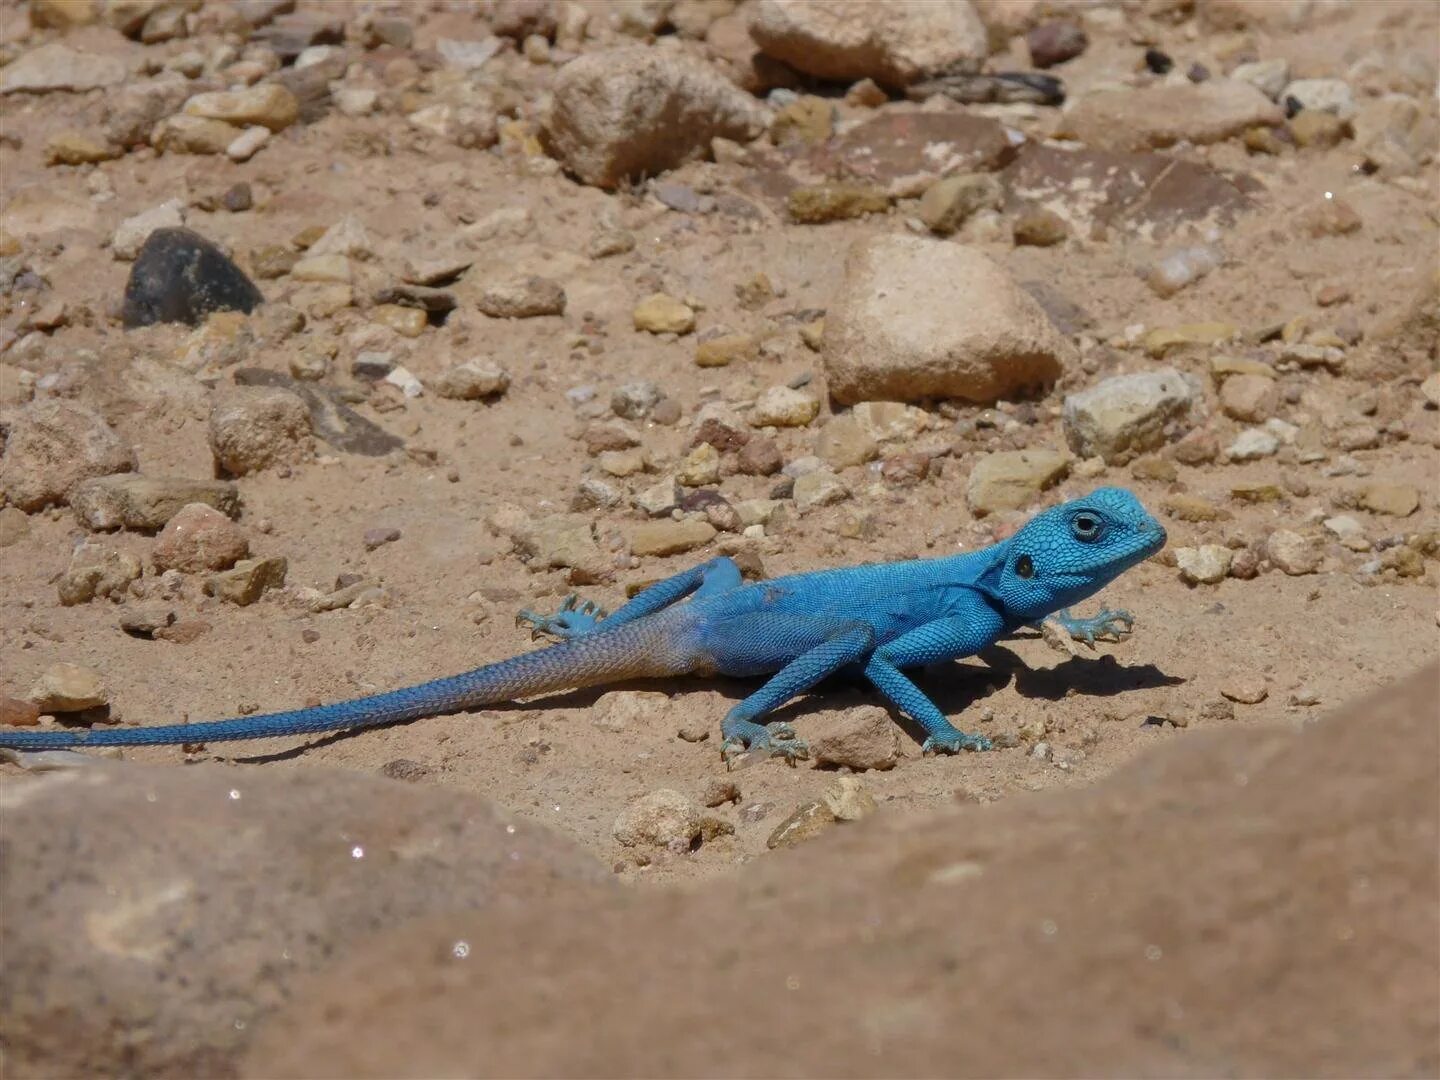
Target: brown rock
<point x="1318" y="130"/>
<point x="805" y="822"/>
<point x="669" y="537"/>
<point x="146" y="503"/>
<point x="924" y="340"/>
<point x="17" y="713"/>
<point x="67" y="688"/>
<point x="818" y="203"/>
<point x="254" y="427"/>
<point x="1055" y="41"/>
<point x="760" y="457"/>
<point x="226" y="876"/>
<point x="906" y="151"/>
<point x="1251" y="398"/>
<point x="1393" y="500"/>
<point x="1140" y="193"/>
<point x="248" y="581"/>
<point x="1040" y="228"/>
<point x="1166" y="113"/>
<point x="522" y="298"/>
<point x="1175" y="824"/>
<point x="947" y="203"/>
<point x="96" y="570"/>
<point x="638" y="111"/>
<point x="859" y="739"/>
<point x="52" y="446"/>
<point x="1248" y="690"/>
<point x="198" y="538"/>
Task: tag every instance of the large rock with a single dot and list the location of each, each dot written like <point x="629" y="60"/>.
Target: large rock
<point x="894" y="43"/>
<point x="919" y="318"/>
<point x="146" y="503"/>
<point x="253" y="427"/>
<point x="153" y="915"/>
<point x="52" y="446"/>
<point x="1128" y="414"/>
<point x="639" y="111"/>
<point x="1170" y="921"/>
<point x="59" y="67"/>
<point x="1168" y="113"/>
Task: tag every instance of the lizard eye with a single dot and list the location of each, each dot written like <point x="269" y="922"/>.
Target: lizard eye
<point x="1025" y="567"/>
<point x="1085" y="526"/>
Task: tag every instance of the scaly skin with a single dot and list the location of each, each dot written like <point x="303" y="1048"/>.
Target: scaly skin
<point x="879" y="619"/>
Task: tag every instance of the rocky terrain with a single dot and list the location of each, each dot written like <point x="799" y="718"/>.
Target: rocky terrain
<point x="333" y="335"/>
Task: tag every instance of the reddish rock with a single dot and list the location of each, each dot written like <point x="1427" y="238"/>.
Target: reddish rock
<point x="1133" y="191"/>
<point x="908" y="148"/>
<point x="198" y="538"/>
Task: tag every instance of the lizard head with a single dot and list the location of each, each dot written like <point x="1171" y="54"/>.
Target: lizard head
<point x="1071" y="551"/>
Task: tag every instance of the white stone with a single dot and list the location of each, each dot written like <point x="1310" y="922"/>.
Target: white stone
<point x="1127" y="414"/>
<point x="130" y="234"/>
<point x="1204" y="565"/>
<point x="248" y="143"/>
<point x="1252" y="444"/>
<point x="1324" y="95"/>
<point x="1270" y="77"/>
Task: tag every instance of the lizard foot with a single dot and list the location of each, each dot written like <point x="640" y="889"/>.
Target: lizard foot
<point x="575" y="618"/>
<point x="1116" y="625"/>
<point x="953" y="741"/>
<point x="778" y="740"/>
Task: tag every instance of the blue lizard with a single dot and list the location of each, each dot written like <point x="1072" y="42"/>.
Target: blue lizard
<point x="878" y="619"/>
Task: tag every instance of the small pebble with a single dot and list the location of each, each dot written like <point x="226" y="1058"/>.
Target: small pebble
<point x="375" y="538"/>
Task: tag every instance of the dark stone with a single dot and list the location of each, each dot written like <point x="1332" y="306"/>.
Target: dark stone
<point x="1158" y="62"/>
<point x="1068" y="316"/>
<point x="311" y="87"/>
<point x="181" y="277"/>
<point x="238" y="198"/>
<point x="433" y="301"/>
<point x="1198" y="73"/>
<point x="290" y="34"/>
<point x="1056" y="41"/>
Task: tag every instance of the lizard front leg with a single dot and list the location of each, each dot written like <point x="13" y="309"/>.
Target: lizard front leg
<point x="944" y="639"/>
<point x="1115" y="624"/>
<point x="577" y="617"/>
<point x="801" y="650"/>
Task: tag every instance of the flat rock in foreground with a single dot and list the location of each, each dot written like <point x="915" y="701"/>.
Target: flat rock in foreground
<point x="153" y="914"/>
<point x="1239" y="903"/>
<point x="920" y="318"/>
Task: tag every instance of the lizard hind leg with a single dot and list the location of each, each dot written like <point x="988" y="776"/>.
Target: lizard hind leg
<point x="576" y="618"/>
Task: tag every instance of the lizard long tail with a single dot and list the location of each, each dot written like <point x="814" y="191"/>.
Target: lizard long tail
<point x="636" y="650"/>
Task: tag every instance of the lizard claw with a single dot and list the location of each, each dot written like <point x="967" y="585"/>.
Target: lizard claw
<point x="1116" y="625"/>
<point x="953" y="741"/>
<point x="575" y="618"/>
<point x="773" y="740"/>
